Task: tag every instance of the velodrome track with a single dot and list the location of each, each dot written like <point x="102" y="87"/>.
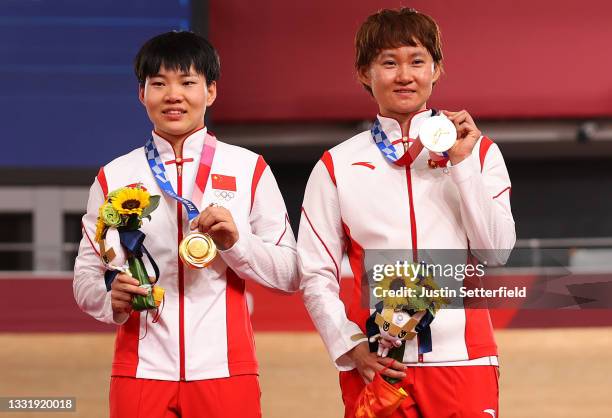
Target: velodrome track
<point x="49" y="348"/>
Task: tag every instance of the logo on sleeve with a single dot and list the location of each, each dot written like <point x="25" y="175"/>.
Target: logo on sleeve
<point x="490" y="411"/>
<point x="365" y="164"/>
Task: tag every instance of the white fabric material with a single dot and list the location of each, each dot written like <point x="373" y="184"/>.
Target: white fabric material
<point x="265" y="253"/>
<point x="451" y="207"/>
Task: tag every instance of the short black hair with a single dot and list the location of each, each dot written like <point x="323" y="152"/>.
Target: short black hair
<point x="177" y="51"/>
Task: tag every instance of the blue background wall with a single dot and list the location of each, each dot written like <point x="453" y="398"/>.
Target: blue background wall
<point x="69" y="95"/>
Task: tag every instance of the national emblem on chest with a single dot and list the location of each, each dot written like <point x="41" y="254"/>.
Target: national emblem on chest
<point x="229" y="190"/>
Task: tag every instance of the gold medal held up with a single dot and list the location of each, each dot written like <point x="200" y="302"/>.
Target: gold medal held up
<point x="197" y="250"/>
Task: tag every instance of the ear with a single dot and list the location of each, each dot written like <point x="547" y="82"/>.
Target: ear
<point x="363" y="74"/>
<point x="436" y="73"/>
<point x="141" y="93"/>
<point x="212" y="93"/>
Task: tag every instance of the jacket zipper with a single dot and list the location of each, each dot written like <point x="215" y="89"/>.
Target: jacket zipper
<point x="413" y="227"/>
<point x="181" y="283"/>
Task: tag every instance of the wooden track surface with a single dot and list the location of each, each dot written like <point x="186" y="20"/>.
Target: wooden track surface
<point x="545" y="373"/>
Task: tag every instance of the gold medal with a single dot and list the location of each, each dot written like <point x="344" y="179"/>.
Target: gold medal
<point x="438" y="134"/>
<point x="197" y="250"/>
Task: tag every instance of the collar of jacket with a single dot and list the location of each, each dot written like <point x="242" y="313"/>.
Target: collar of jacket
<point x="192" y="146"/>
<point x="393" y="130"/>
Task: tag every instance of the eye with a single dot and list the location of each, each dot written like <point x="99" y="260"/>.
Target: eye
<point x="418" y="62"/>
<point x="157" y="83"/>
<point x="402" y="334"/>
<point x="189" y="83"/>
<point x="386" y="326"/>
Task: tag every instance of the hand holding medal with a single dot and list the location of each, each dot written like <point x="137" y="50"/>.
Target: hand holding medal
<point x="467" y="135"/>
<point x="217" y="222"/>
<point x="198" y="249"/>
<point x="213" y="227"/>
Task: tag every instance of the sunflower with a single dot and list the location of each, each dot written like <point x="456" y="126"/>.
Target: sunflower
<point x="128" y="201"/>
<point x="398" y="284"/>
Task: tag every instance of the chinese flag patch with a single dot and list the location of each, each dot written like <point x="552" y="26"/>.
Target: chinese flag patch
<point x="222" y="182"/>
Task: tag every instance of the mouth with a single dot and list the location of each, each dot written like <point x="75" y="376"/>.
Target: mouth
<point x="173" y="113"/>
<point x="404" y="91"/>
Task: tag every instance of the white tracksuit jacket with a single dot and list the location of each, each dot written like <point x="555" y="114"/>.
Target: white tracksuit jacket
<point x="204" y="331"/>
<point x="356" y="200"/>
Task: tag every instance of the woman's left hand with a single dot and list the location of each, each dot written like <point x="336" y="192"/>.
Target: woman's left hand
<point x="467" y="135"/>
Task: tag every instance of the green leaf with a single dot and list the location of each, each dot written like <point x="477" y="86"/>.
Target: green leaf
<point x="418" y="304"/>
<point x="153" y="204"/>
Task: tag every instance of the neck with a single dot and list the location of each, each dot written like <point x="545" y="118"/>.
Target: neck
<point x="177" y="140"/>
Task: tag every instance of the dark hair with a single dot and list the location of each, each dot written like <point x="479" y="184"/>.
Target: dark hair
<point x="395" y="28"/>
<point x="177" y="51"/>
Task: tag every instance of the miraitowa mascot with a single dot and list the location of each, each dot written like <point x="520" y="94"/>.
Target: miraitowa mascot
<point x="397" y="319"/>
<point x="388" y="327"/>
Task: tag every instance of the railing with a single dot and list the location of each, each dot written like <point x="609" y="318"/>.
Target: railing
<point x="584" y="254"/>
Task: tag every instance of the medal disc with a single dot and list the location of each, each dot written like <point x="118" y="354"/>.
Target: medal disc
<point x="438" y="134"/>
<point x="197" y="250"/>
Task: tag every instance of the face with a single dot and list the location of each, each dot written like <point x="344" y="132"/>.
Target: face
<point x="401" y="80"/>
<point x="176" y="102"/>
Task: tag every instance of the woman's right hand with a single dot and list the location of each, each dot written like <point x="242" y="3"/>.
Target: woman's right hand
<point x="123" y="288"/>
<point x="368" y="364"/>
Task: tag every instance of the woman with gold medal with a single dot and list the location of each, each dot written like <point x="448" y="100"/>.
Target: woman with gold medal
<point x="201" y="345"/>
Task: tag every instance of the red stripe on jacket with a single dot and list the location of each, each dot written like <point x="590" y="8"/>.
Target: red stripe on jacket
<point x="357" y="308"/>
<point x="485" y="144"/>
<point x="240" y="341"/>
<point x="102" y="180"/>
<point x="324" y="246"/>
<point x="260" y="167"/>
<point x="326" y="158"/>
<point x="125" y="362"/>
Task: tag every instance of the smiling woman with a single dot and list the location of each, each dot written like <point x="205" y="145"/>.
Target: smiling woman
<point x="411" y="207"/>
<point x="401" y="79"/>
<point x="206" y="354"/>
<point x="176" y="89"/>
<point x="398" y="60"/>
<point x="176" y="102"/>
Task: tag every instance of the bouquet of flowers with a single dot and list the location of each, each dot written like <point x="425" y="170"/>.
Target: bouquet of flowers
<point x="398" y="318"/>
<point x="121" y="241"/>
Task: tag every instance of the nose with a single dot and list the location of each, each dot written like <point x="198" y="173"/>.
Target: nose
<point x="404" y="74"/>
<point x="173" y="94"/>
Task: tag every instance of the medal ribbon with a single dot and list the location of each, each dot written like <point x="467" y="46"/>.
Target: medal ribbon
<point x="382" y="142"/>
<point x="159" y="172"/>
<point x="388" y="150"/>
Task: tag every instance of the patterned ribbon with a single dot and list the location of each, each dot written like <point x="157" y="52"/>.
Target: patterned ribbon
<point x="159" y="172"/>
<point x="388" y="150"/>
<point x="382" y="142"/>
